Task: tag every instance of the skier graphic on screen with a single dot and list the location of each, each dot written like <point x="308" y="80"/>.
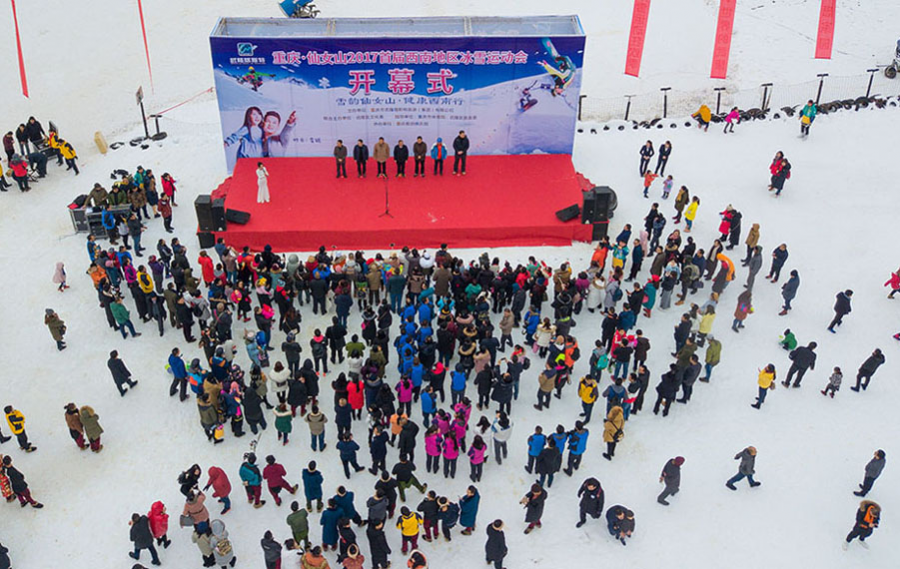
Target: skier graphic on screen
<point x="562" y="70"/>
<point x="250" y="136"/>
<point x="255" y="78"/>
<point x="526" y="100"/>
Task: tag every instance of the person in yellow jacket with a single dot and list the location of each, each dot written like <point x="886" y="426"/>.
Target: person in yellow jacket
<point x="588" y="392"/>
<point x="409" y="523"/>
<point x="690" y="213"/>
<point x="67" y="152"/>
<point x="144" y="280"/>
<point x="766" y="381"/>
<point x="706" y="324"/>
<point x="16" y="421"/>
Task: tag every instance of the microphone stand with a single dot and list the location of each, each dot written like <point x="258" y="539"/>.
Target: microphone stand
<point x="387" y="207"/>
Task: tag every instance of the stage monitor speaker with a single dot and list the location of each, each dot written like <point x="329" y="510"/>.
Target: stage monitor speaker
<point x="207" y="240"/>
<point x="588" y="206"/>
<point x="569" y="213"/>
<point x="237" y="216"/>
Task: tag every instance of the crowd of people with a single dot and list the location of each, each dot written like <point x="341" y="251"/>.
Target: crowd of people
<point x="27" y="152"/>
<point x="428" y="319"/>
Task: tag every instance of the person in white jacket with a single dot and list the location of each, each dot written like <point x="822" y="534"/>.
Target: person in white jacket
<point x="262" y="180"/>
<point x="501" y="430"/>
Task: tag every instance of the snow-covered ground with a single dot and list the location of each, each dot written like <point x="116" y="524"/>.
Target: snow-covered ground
<point x="836" y="215"/>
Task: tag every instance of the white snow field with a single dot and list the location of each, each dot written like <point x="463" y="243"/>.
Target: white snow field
<point x="836" y="214"/>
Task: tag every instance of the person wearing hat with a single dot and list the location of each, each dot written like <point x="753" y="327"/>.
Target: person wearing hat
<point x="438" y="154"/>
<point x="873" y="471"/>
<point x="57" y="328"/>
<point x="671" y="476"/>
<point x="746" y="468"/>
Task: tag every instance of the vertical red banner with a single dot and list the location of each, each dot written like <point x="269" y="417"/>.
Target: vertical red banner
<point x="636" y="39"/>
<point x="722" y="49"/>
<point x="146" y="49"/>
<point x="825" y="39"/>
<point x="19" y="49"/>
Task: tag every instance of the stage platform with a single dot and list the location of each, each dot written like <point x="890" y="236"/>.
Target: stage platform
<point x="502" y="201"/>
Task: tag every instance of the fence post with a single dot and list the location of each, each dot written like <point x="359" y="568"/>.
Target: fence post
<point x="821" y="77"/>
<point x="665" y="91"/>
<point x="718" y="91"/>
<point x="580" y="100"/>
<point x="765" y="99"/>
<point x="628" y="106"/>
<point x="871" y="73"/>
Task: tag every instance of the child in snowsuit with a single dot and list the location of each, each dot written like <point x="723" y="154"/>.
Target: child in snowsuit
<point x="834" y="382"/>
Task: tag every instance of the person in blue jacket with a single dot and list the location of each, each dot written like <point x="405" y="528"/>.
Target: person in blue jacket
<point x="426" y="312"/>
<point x="429" y="406"/>
<point x="438" y="154"/>
<point x="329" y="522"/>
<point x="109" y="224"/>
<point x="179" y="371"/>
<point x="468" y="509"/>
<point x="344" y="502"/>
<point x="448" y="515"/>
<point x="577" y="445"/>
<point x="196" y="376"/>
<point x="559" y="438"/>
<point x="252" y="480"/>
<point x="457" y="384"/>
<point x="312" y="486"/>
<point x="347" y="448"/>
<point x="807" y="116"/>
<point x="536" y="443"/>
<point x="531" y="320"/>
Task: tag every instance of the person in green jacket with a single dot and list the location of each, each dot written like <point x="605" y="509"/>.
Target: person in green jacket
<point x="788" y="341"/>
<point x="122" y="318"/>
<point x="92" y="428"/>
<point x="283" y="423"/>
<point x="807" y="116"/>
<point x="713" y="353"/>
<point x="297" y="520"/>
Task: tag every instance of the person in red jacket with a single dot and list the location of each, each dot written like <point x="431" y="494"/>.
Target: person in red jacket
<point x="274" y="474"/>
<point x="206" y="265"/>
<point x="221" y="486"/>
<point x="20" y="172"/>
<point x="159" y="524"/>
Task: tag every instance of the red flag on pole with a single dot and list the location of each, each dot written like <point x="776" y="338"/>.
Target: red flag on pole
<point x="19" y="49"/>
<point x="825" y="39"/>
<point x="146" y="49"/>
<point x="639" y="18"/>
<point x="722" y="48"/>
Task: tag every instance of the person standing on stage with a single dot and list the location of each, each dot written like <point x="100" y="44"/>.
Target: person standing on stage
<point x="262" y="179"/>
<point x="438" y="154"/>
<point x="461" y="150"/>
<point x="340" y="158"/>
<point x="381" y="152"/>
<point x="360" y="156"/>
<point x="420" y="150"/>
<point x="401" y="155"/>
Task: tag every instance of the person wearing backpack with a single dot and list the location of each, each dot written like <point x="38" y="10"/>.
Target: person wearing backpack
<point x="221" y="545"/>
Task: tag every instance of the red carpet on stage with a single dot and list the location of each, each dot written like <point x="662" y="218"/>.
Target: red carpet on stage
<point x="502" y="201"/>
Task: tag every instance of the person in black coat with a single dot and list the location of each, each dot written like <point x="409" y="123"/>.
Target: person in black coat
<point x="664" y="151"/>
<point x="378" y="545"/>
<point x="803" y="358"/>
<point x="841" y="309"/>
<point x="388" y="487"/>
<point x="620" y="522"/>
<point x="18" y="485"/>
<point x="647" y="153"/>
<point x="5" y="563"/>
<point x="360" y="156"/>
<point x="666" y="390"/>
<point x="671" y="477"/>
<point x="867" y="369"/>
<point x="591" y="494"/>
<point x="401" y="155"/>
<point x="548" y="463"/>
<point x="534" y="507"/>
<point x="460" y="151"/>
<point x="495" y="549"/>
<point x="779" y="257"/>
<point x="292" y="350"/>
<point x="789" y="291"/>
<point x="407" y="443"/>
<point x="120" y="373"/>
<point x="734" y="233"/>
<point x="142" y="538"/>
<point x="682" y="332"/>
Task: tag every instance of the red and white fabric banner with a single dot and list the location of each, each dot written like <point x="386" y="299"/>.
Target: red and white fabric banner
<point x="636" y="39"/>
<point x="722" y="49"/>
<point x="825" y="38"/>
<point x="22" y="76"/>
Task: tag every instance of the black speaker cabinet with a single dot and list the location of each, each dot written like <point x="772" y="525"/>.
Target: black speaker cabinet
<point x="569" y="213"/>
<point x="207" y="240"/>
<point x="237" y="216"/>
<point x="210" y="213"/>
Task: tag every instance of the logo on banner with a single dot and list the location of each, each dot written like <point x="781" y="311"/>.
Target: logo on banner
<point x="246" y="49"/>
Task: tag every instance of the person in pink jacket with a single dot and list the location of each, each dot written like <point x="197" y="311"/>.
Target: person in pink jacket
<point x="458" y="427"/>
<point x="159" y="524"/>
<point x="893" y="282"/>
<point x="433" y="443"/>
<point x="404" y="395"/>
<point x="731" y="118"/>
<point x="476" y="458"/>
<point x="464" y="407"/>
<point x="221" y="487"/>
<point x="442" y="421"/>
<point x="451" y="453"/>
